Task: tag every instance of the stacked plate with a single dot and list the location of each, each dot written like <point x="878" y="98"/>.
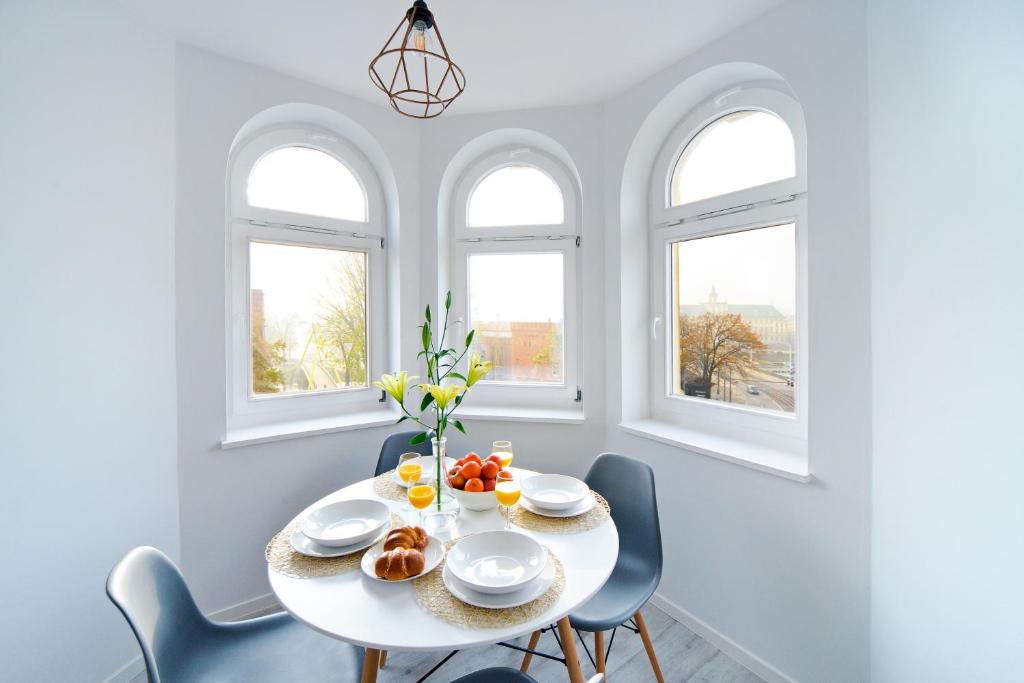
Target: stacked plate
<point x="556" y="495"/>
<point x="498" y="570"/>
<point x="342" y="528"/>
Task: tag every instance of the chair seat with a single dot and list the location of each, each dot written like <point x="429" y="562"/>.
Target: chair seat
<point x="628" y="589"/>
<point x="496" y="675"/>
<point x="271" y="649"/>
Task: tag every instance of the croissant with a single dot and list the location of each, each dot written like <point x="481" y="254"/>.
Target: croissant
<point x="406" y="537"/>
<point x="400" y="563"/>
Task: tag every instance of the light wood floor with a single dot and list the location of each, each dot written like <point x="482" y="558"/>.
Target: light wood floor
<point x="684" y="656"/>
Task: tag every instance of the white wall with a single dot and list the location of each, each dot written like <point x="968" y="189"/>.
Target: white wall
<point x="233" y="501"/>
<point x="778" y="567"/>
<point x="88" y="409"/>
<point x="946" y="247"/>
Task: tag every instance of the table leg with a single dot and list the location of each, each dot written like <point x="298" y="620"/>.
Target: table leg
<point x="572" y="661"/>
<point x="371" y="661"/>
<point x="383" y="658"/>
<point x="534" y="639"/>
<point x="599" y="650"/>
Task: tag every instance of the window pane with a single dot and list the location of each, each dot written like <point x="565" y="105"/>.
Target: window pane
<point x="516" y="306"/>
<point x="304" y="180"/>
<point x="737" y="151"/>
<point x="734" y="332"/>
<point x="308" y="318"/>
<point x="515" y="195"/>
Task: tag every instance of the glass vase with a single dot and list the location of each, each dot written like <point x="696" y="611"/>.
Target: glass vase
<point x="440" y="518"/>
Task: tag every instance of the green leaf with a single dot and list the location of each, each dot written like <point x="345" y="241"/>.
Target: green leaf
<point x="427" y="314"/>
<point x="469" y="338"/>
<point x="458" y="425"/>
<point x="456" y="376"/>
<point x="427" y="400"/>
<point x="448" y="300"/>
<point x="419" y="438"/>
<point x="458" y="399"/>
<point x="402" y="419"/>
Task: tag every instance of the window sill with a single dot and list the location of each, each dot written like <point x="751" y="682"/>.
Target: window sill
<point x="248" y="436"/>
<point x="780" y="463"/>
<point x="517" y="414"/>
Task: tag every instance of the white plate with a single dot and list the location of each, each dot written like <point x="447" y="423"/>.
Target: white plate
<point x="346" y="522"/>
<point x="496" y="562"/>
<point x="584" y="506"/>
<point x="554" y="491"/>
<point x="533" y="590"/>
<point x="304" y="546"/>
<point x="427" y="461"/>
<point x="432" y="554"/>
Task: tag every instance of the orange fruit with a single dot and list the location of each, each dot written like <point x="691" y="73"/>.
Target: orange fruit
<point x="504" y="475"/>
<point x="490" y="469"/>
<point x="474" y="485"/>
<point x="488" y="484"/>
<point x="471" y="470"/>
<point x="472" y="456"/>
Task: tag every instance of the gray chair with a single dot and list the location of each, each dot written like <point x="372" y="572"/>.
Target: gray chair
<point x="394" y="446"/>
<point x="628" y="486"/>
<point x="506" y="675"/>
<point x="180" y="645"/>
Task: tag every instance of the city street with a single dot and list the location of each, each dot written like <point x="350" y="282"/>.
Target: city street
<point x="774" y="394"/>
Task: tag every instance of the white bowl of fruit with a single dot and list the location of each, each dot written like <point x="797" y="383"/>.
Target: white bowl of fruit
<point x="472" y="480"/>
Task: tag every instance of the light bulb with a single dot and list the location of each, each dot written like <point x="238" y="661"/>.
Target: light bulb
<point x="419" y="39"/>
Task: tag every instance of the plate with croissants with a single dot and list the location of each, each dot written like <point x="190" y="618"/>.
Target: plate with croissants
<point x="405" y="553"/>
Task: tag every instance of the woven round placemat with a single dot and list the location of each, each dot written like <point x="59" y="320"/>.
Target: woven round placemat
<point x="284" y="560"/>
<point x="435" y="598"/>
<point x="591" y="519"/>
<point x="384" y="486"/>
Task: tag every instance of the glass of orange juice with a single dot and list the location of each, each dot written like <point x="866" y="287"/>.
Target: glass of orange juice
<point x="507" y="491"/>
<point x="503" y="449"/>
<point x="421" y="496"/>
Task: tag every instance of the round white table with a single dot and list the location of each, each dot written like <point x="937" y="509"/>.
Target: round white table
<point x="381" y="616"/>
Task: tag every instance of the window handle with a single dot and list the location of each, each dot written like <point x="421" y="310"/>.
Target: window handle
<point x="655" y="322"/>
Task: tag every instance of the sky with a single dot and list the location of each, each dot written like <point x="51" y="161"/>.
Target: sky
<point x="752" y="267"/>
<point x="524" y="287"/>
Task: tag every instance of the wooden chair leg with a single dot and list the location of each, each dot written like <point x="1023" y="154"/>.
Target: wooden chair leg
<point x="572" y="660"/>
<point x="599" y="650"/>
<point x="371" y="660"/>
<point x="528" y="657"/>
<point x="383" y="658"/>
<point x="649" y="646"/>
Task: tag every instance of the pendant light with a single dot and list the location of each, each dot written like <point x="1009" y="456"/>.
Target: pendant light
<point x="414" y="69"/>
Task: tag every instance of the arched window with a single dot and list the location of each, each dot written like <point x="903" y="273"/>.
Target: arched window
<point x="307" y="277"/>
<point x="516" y="241"/>
<point x="729" y="288"/>
<point x="736" y="151"/>
<point x="515" y="194"/>
<point x="307" y="181"/>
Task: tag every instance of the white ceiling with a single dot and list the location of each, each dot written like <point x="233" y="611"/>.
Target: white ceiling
<point x="528" y="53"/>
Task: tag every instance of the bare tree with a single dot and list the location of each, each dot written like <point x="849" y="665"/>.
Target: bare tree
<point x="712" y="342"/>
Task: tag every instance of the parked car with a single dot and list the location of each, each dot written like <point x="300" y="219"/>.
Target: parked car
<point x="752" y="389"/>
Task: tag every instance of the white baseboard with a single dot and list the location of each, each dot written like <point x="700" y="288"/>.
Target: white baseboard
<point x="721" y="641"/>
<point x="135" y="670"/>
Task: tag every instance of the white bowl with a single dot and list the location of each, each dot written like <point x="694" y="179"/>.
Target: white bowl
<point x="527" y="593"/>
<point x="496" y="562"/>
<point x="477" y="501"/>
<point x="554" y="491"/>
<point x="345" y="522"/>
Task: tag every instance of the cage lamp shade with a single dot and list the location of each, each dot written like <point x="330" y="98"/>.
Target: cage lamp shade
<point x="415" y="70"/>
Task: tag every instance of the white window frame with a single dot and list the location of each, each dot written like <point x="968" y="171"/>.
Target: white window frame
<point x="777" y="203"/>
<point x="562" y="238"/>
<point x="247" y="224"/>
